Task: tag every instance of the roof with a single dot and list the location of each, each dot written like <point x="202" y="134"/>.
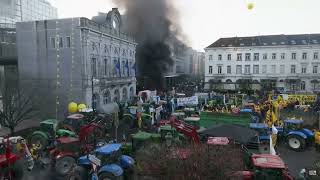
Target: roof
<point x="293" y="121"/>
<point x="269" y="40"/>
<point x="218" y="141"/>
<point x="192" y="119"/>
<point x="76" y="116"/>
<point x="258" y="126"/>
<point x="66" y="140"/>
<point x="142" y="135"/>
<point x="108" y="149"/>
<point x="268" y="161"/>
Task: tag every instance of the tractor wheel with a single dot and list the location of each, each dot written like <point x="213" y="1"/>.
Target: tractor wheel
<point x="38" y="139"/>
<point x="108" y="176"/>
<point x="264" y="147"/>
<point x="78" y="173"/>
<point x="64" y="165"/>
<point x="14" y="172"/>
<point x="296" y="143"/>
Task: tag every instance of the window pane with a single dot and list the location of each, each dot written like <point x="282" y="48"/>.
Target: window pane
<point x="68" y="42"/>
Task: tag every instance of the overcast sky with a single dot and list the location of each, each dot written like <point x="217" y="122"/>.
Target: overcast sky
<point x="205" y="21"/>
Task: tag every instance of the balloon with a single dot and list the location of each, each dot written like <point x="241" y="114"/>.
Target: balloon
<point x="81" y="107"/>
<point x="250" y="6"/>
<point x="72" y="107"/>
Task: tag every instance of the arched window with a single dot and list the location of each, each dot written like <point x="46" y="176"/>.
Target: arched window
<point x="228" y="81"/>
<point x="106" y="97"/>
<point x="95" y="101"/>
<point x="303" y="85"/>
<point x="116" y="96"/>
<point x="124" y="95"/>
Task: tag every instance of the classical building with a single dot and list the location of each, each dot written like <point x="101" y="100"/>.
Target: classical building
<point x="286" y="62"/>
<point x="77" y="59"/>
<point x="12" y="11"/>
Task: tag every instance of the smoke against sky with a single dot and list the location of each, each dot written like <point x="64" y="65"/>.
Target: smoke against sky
<point x="155" y="26"/>
<point x="205" y="21"/>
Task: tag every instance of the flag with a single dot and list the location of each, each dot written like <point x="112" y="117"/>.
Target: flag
<point x="118" y="66"/>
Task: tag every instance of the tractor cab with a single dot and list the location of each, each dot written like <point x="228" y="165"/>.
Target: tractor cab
<point x="141" y="138"/>
<point x="293" y="124"/>
<point x="193" y="121"/>
<point x="49" y="126"/>
<point x="74" y="122"/>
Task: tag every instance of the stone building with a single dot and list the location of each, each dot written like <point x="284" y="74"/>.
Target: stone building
<point x="77" y="59"/>
<point x="289" y="63"/>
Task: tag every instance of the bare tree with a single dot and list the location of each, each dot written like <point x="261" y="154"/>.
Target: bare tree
<point x="17" y="107"/>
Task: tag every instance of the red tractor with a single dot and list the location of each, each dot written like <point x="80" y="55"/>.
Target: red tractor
<point x="11" y="152"/>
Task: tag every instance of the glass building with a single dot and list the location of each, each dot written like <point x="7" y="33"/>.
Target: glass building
<point x="12" y="11"/>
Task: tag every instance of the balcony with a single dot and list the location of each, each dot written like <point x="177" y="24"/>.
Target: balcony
<point x="110" y="81"/>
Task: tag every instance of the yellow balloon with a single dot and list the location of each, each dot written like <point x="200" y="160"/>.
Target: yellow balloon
<point x="72" y="107"/>
<point x="250" y="6"/>
<point x="81" y="107"/>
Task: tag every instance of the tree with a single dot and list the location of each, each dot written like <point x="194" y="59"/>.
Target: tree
<point x="17" y="107"/>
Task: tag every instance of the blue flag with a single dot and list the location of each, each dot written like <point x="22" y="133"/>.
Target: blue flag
<point x="118" y="66"/>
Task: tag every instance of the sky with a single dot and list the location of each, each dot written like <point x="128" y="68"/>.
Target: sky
<point x="205" y="21"/>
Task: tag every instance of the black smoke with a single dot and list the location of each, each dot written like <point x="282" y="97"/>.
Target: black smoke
<point x="155" y="26"/>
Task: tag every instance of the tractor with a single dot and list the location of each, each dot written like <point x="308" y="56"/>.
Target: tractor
<point x="111" y="164"/>
<point x="11" y="152"/>
<point x="130" y="117"/>
<point x="296" y="137"/>
<point x="45" y="137"/>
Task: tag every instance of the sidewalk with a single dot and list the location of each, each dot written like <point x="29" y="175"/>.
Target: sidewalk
<point x="23" y="125"/>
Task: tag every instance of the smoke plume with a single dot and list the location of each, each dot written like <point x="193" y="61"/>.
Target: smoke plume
<point x="155" y="26"/>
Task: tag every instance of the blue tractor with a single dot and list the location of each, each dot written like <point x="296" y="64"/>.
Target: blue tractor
<point x="296" y="137"/>
<point x="106" y="162"/>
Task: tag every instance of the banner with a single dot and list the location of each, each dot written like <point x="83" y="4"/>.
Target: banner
<point x="302" y="98"/>
<point x="187" y="101"/>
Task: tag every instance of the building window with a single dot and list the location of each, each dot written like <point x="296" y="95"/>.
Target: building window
<point x="248" y="56"/>
<point x="256" y="57"/>
<point x="282" y="69"/>
<point x="68" y="42"/>
<point x="210" y="57"/>
<point x="124" y="95"/>
<point x="123" y="66"/>
<point x="283" y="55"/>
<point x="116" y="98"/>
<point x="239" y="69"/>
<point x="304" y="55"/>
<point x="93" y="46"/>
<point x="315" y="55"/>
<point x="94" y="67"/>
<point x="292" y="87"/>
<point x="210" y="69"/>
<point x="219" y="69"/>
<point x="60" y="42"/>
<point x="255" y="69"/>
<point x="293" y="69"/>
<point x="132" y="93"/>
<point x="273" y="69"/>
<point x="247" y="69"/>
<point x="228" y="69"/>
<point x="265" y="56"/>
<point x="239" y="57"/>
<point x="303" y="85"/>
<point x="294" y="56"/>
<point x="106" y="97"/>
<point x="315" y="69"/>
<point x="105" y="48"/>
<point x="274" y="56"/>
<point x="304" y="70"/>
<point x="229" y="57"/>
<point x="53" y="42"/>
<point x="105" y="67"/>
<point x="219" y="57"/>
<point x="264" y="69"/>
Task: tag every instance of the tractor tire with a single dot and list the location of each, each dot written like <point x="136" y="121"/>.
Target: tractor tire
<point x="15" y="171"/>
<point x="78" y="173"/>
<point x="296" y="143"/>
<point x="39" y="139"/>
<point x="63" y="166"/>
<point x="108" y="176"/>
<point x="264" y="147"/>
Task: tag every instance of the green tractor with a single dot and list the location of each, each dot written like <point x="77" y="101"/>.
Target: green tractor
<point x="130" y="119"/>
<point x="48" y="132"/>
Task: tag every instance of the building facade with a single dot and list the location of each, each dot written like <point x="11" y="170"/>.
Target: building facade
<point x="287" y="62"/>
<point x="12" y="11"/>
<point x="77" y="60"/>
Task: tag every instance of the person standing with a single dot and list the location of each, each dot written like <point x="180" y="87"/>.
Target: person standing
<point x="139" y="111"/>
